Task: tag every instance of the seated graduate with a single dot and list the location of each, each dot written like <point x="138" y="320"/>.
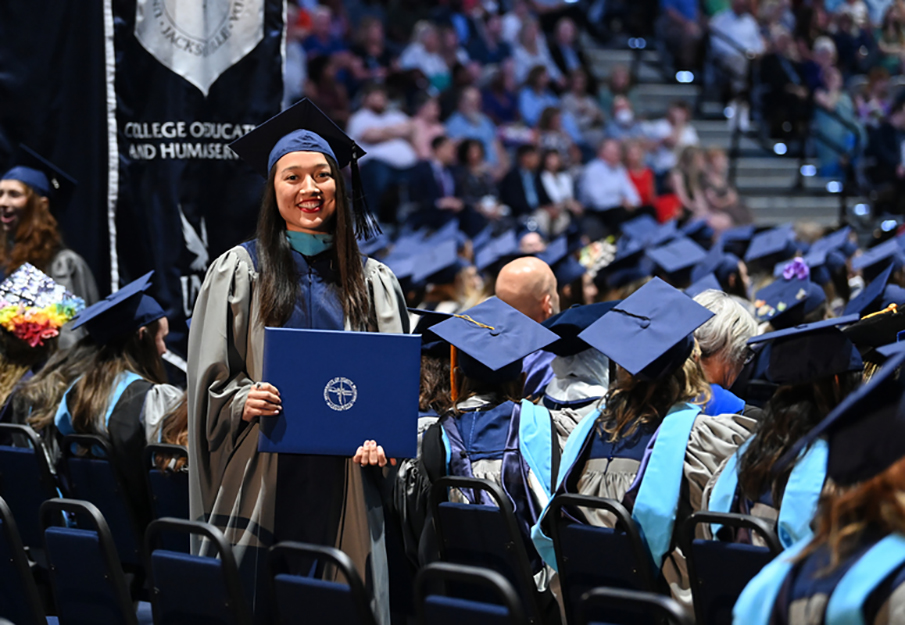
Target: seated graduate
<point x="816" y="367"/>
<point x="489" y="420"/>
<point x="724" y="349"/>
<point x="581" y="373"/>
<point x="302" y="270"/>
<point x="853" y="569"/>
<point x="122" y="396"/>
<point x="653" y="408"/>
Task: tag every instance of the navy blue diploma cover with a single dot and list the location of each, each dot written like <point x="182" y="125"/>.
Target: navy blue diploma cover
<point x="340" y="389"/>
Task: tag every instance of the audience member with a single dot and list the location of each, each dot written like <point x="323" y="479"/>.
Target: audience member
<point x="837" y="128"/>
<point x="583" y="108"/>
<point x="425" y="125"/>
<point x="551" y="136"/>
<point x="606" y="192"/>
<point x="640" y="174"/>
<point x="325" y="89"/>
<point x="322" y="41"/>
<point x="519" y="189"/>
<point x="499" y="98"/>
<point x="476" y="183"/>
<point x="559" y="186"/>
<point x="372" y="58"/>
<point x="423" y="54"/>
<point x="468" y="122"/>
<point x="669" y="136"/>
<point x="619" y="84"/>
<point x="786" y="96"/>
<point x="565" y="53"/>
<point x="532" y="51"/>
<point x="433" y="186"/>
<point x="680" y="28"/>
<point x="721" y="196"/>
<point x="489" y="47"/>
<point x="874" y="102"/>
<point x="535" y="95"/>
<point x="622" y="124"/>
<point x="891" y="39"/>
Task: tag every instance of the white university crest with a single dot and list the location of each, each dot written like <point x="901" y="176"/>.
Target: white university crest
<point x="340" y="394"/>
<point x="199" y="39"/>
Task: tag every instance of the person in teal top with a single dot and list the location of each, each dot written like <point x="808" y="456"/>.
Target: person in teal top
<point x="853" y="569"/>
<point x="648" y="446"/>
<point x="816" y="366"/>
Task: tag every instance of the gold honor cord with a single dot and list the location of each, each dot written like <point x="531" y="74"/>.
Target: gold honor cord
<point x="454" y="358"/>
<point x="892" y="308"/>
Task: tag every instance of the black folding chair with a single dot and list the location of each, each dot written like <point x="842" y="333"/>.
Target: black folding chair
<point x="646" y="606"/>
<point x="92" y="476"/>
<point x="168" y="489"/>
<point x="25" y="479"/>
<point x="300" y="596"/>
<point x="88" y="582"/>
<point x="718" y="570"/>
<point x="589" y="556"/>
<point x="194" y="589"/>
<point x="433" y="608"/>
<point x="20" y="601"/>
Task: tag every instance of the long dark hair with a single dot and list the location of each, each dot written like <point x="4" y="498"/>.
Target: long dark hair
<point x="791" y="413"/>
<point x="136" y="352"/>
<point x="435" y="393"/>
<point x="280" y="288"/>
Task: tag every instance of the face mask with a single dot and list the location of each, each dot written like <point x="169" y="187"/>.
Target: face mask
<point x="625" y="116"/>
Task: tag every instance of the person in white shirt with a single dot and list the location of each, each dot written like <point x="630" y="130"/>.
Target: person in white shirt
<point x="736" y="24"/>
<point x="559" y="186"/>
<point x="423" y="54"/>
<point x="670" y="135"/>
<point x="386" y="137"/>
<point x="606" y="192"/>
<point x="531" y="51"/>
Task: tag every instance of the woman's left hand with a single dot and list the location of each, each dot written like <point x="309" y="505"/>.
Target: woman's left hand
<point x="371" y="454"/>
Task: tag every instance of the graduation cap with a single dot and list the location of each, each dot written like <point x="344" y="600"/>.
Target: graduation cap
<point x="45" y="178"/>
<point x="721" y="264"/>
<point x="810" y="351"/>
<point x="568" y="270"/>
<point x="892" y="349"/>
<point x="121" y="313"/>
<point x="873" y="261"/>
<point x="573" y="321"/>
<point x="629" y="265"/>
<point x="448" y="232"/>
<point x="303" y="127"/>
<point x="482" y="238"/>
<point x="699" y="231"/>
<point x="650" y="334"/>
<point x="500" y="248"/>
<point x="35" y="307"/>
<point x="707" y="283"/>
<point x="868" y="299"/>
<point x="865" y="432"/>
<point x="431" y="344"/>
<point x="556" y="251"/>
<point x="677" y="256"/>
<point x="736" y="240"/>
<point x="778" y="243"/>
<point x="641" y="228"/>
<point x="438" y="264"/>
<point x="838" y="240"/>
<point x="492" y="339"/>
<point x="874" y="332"/>
<point x="893" y="294"/>
<point x="786" y="303"/>
<point x="665" y="232"/>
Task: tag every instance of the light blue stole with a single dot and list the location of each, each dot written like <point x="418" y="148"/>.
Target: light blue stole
<point x="799" y="501"/>
<point x="63" y="419"/>
<point x="535" y="441"/>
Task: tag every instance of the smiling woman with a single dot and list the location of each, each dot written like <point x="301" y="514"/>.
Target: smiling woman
<point x="302" y="270"/>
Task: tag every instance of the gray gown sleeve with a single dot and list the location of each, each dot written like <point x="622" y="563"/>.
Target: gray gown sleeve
<point x="71" y="271"/>
<point x="388" y="311"/>
<point x="218" y="377"/>
<point x="160" y="401"/>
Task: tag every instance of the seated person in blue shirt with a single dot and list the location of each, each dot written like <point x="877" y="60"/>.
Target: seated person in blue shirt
<point x="816" y="367"/>
<point x="649" y="424"/>
<point x="853" y="569"/>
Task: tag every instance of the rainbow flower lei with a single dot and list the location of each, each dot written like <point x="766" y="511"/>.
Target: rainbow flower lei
<point x="35" y="325"/>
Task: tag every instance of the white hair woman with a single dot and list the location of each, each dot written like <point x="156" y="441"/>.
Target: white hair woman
<point x="723" y="341"/>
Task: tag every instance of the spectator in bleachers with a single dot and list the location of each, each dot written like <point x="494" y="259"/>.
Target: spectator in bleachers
<point x="735" y="39"/>
<point x="512" y="21"/>
<point x="488" y="46"/>
<point x="874" y="101"/>
<point x="560" y="188"/>
<point x="434" y="190"/>
<point x="325" y="89"/>
<point x="499" y="98"/>
<point x="686" y="180"/>
<point x="640" y="174"/>
<point x="786" y="98"/>
<point x="854" y="43"/>
<point x="426" y="125"/>
<point x="721" y="196"/>
<point x="372" y="59"/>
<point x="669" y="136"/>
<point x="680" y="28"/>
<point x="476" y="183"/>
<point x="619" y="83"/>
<point x="535" y="95"/>
<point x="385" y="135"/>
<point x="423" y="54"/>
<point x="519" y="189"/>
<point x="857" y="10"/>
<point x="531" y="51"/>
<point x="583" y="108"/>
<point x="823" y="57"/>
<point x="565" y="52"/>
<point x="891" y="39"/>
<point x="450" y="49"/>
<point x="606" y="192"/>
<point x="885" y="149"/>
<point x="468" y="122"/>
<point x="463" y="77"/>
<point x="322" y="40"/>
<point x="622" y="124"/>
<point x="835" y="122"/>
<point x="551" y="136"/>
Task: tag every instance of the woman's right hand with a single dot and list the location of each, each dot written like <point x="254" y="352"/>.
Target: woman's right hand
<point x="263" y="401"/>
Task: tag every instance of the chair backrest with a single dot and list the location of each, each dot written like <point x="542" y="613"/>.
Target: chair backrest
<point x="88" y="582"/>
<point x="169" y="490"/>
<point x="194" y="589"/>
<point x="25" y="479"/>
<point x="719" y="571"/>
<point x="92" y="476"/>
<point x="433" y="608"/>
<point x="299" y="595"/>
<point x="484" y="536"/>
<point x="595" y="604"/>
<point x="19" y="599"/>
<point x="589" y="556"/>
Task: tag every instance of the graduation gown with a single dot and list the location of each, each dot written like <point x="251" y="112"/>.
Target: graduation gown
<point x="579" y="383"/>
<point x="258" y="499"/>
<point x="71" y="271"/>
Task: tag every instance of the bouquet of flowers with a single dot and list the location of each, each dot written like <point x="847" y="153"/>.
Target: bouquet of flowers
<point x="33" y="307"/>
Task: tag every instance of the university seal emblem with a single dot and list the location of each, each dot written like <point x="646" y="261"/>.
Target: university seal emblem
<point x="340" y="394"/>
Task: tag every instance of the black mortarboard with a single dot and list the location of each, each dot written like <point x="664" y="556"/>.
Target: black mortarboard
<point x="556" y="251"/>
<point x="568" y="270"/>
<point x="677" y="257"/>
<point x="786" y="303"/>
<point x="707" y="283"/>
<point x="865" y="432"/>
<point x="873" y="261"/>
<point x="573" y="321"/>
<point x="874" y="332"/>
<point x="651" y="333"/>
<point x="431" y="344"/>
<point x="438" y="264"/>
<point x="303" y="127"/>
<point x="868" y="300"/>
<point x="121" y="313"/>
<point x="777" y="244"/>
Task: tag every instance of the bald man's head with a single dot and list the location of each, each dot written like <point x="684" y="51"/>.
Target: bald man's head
<point x="528" y="285"/>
